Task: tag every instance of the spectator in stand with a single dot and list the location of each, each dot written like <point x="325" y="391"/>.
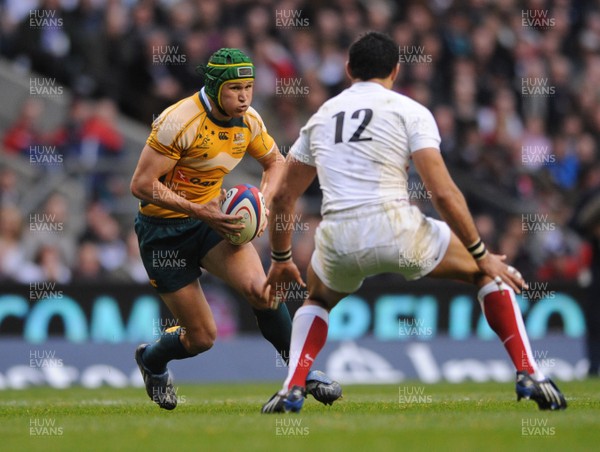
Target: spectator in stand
<point x="88" y="267"/>
<point x="91" y="134"/>
<point x="9" y="191"/>
<point x="51" y="228"/>
<point x="84" y="25"/>
<point x="150" y="84"/>
<point x="132" y="269"/>
<point x="49" y="265"/>
<point x="25" y="130"/>
<point x="116" y="48"/>
<point x="43" y="45"/>
<point x="68" y="136"/>
<point x="104" y="232"/>
<point x="564" y="171"/>
<point x="463" y="91"/>
<point x="501" y="124"/>
<point x="102" y="138"/>
<point x="193" y="48"/>
<point x="102" y="127"/>
<point x="587" y="154"/>
<point x="536" y="147"/>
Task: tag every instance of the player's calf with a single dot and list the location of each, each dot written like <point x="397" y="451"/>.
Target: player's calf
<point x="198" y="341"/>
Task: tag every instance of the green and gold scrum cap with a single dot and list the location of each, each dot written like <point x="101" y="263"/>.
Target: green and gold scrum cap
<point x="225" y="65"/>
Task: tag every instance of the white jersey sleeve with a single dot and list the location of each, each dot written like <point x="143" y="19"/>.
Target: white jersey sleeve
<point x="300" y="150"/>
<point x="422" y="131"/>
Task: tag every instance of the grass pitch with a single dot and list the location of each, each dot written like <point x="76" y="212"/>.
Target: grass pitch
<point x="405" y="417"/>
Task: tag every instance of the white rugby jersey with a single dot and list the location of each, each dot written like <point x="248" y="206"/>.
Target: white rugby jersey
<point x="361" y="141"/>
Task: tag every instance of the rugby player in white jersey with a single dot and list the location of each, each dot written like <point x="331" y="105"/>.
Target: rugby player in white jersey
<point x="360" y="144"/>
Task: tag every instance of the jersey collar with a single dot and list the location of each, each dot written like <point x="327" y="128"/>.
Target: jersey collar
<point x="369" y="84"/>
<point x="204" y="100"/>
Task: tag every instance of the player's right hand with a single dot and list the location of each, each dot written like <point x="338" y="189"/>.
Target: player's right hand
<point x="493" y="266"/>
<point x="265" y="224"/>
<point x="222" y="223"/>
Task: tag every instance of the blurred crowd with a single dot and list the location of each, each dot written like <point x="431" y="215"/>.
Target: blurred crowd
<point x="514" y="87"/>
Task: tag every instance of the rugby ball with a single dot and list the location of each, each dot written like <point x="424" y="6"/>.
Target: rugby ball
<point x="248" y="201"/>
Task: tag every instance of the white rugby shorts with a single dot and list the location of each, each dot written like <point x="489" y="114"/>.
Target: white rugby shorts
<point x="388" y="238"/>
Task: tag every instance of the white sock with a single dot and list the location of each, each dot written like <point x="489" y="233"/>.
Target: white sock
<point x="309" y="333"/>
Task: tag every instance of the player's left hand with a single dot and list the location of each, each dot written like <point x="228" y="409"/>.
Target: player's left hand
<point x="282" y="275"/>
<point x="493" y="266"/>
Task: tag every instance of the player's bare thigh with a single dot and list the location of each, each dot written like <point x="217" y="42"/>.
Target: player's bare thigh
<point x="319" y="294"/>
<point x="240" y="267"/>
<point x="192" y="312"/>
<point x="458" y="264"/>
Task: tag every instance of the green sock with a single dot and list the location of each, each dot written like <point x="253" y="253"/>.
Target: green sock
<point x="168" y="347"/>
<point x="276" y="327"/>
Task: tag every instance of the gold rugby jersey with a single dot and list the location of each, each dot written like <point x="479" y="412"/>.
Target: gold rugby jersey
<point x="205" y="148"/>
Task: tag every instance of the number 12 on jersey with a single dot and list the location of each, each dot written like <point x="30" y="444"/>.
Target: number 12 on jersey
<point x="367" y="115"/>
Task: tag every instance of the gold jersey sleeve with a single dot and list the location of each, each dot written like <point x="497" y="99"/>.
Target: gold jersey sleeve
<point x="172" y="130"/>
<point x="205" y="148"/>
<point x="261" y="142"/>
